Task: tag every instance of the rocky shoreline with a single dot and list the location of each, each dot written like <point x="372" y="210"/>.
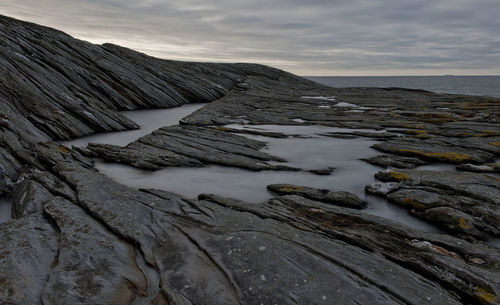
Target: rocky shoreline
<point x="78" y="237"/>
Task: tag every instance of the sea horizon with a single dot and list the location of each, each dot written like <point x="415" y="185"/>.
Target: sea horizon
<point x="482" y="85"/>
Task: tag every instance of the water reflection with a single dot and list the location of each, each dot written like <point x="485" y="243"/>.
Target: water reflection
<point x="5" y="213"/>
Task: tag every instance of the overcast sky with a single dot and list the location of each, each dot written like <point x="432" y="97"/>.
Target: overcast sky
<point x="308" y="37"/>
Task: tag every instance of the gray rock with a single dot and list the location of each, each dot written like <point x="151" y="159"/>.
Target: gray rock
<point x="28" y="198"/>
<point x="463" y="204"/>
<point x="94" y="266"/>
<point x="436" y="150"/>
<point x="114" y="244"/>
<point x="190" y="146"/>
<point x="344" y="199"/>
<point x="382" y="189"/>
<point x="29" y="250"/>
<point x="484" y="168"/>
<point x="395" y="161"/>
<point x="322" y="171"/>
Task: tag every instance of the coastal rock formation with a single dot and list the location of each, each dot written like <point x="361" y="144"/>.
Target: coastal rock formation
<point x="57" y="87"/>
<point x="217" y="250"/>
<point x="78" y="237"/>
<point x="344" y="199"/>
<point x="395" y="161"/>
<point x="465" y="204"/>
<point x="190" y="146"/>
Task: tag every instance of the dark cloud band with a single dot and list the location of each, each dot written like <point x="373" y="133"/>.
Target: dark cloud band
<point x="317" y="37"/>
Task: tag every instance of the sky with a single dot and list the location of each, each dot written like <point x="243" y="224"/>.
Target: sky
<point x="308" y="37"/>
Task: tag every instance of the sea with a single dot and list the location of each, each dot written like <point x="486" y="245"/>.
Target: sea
<point x="455" y="84"/>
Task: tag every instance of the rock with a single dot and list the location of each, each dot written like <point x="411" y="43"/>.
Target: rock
<point x="28" y="198"/>
<point x="366" y="134"/>
<point x="456" y="222"/>
<point x="142" y="156"/>
<point x="436" y="150"/>
<point x="278" y="135"/>
<point x="9" y="170"/>
<point x="453" y="201"/>
<point x="382" y="189"/>
<point x="395" y="161"/>
<point x="322" y="172"/>
<point x="485" y="168"/>
<point x="476" y="186"/>
<point x="345" y="199"/>
<point x="241" y="246"/>
<point x="82" y="238"/>
<point x="190" y="146"/>
<point x="29" y="249"/>
<point x="94" y="266"/>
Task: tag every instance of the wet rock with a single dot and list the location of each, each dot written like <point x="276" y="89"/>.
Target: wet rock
<point x="453" y="201"/>
<point x="29" y="249"/>
<point x="366" y="134"/>
<point x="395" y="161"/>
<point x="322" y="172"/>
<point x="344" y="199"/>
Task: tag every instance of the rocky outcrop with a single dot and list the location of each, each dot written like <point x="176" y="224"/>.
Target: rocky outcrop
<point x="464" y="204"/>
<point x="437" y="150"/>
<point x="62" y="87"/>
<point x="57" y="87"/>
<point x="483" y="168"/>
<point x="395" y="161"/>
<point x="340" y="198"/>
<point x="78" y="237"/>
<point x="216" y="250"/>
<point x="190" y="146"/>
<point x="29" y="249"/>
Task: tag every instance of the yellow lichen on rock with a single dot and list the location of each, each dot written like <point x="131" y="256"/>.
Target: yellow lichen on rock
<point x="399" y="176"/>
<point x="62" y="149"/>
<point x="411" y="151"/>
<point x="462" y="222"/>
<point x="449" y="156"/>
<point x="416" y="131"/>
<point x="494" y="143"/>
<point x="409" y="201"/>
<point x="221" y="128"/>
<point x="446" y="156"/>
<point x="486" y="297"/>
<point x="291" y="188"/>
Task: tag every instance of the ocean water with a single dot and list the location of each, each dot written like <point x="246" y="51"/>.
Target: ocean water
<point x="469" y="85"/>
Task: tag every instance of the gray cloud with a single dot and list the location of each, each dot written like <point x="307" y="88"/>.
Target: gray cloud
<point x="315" y="37"/>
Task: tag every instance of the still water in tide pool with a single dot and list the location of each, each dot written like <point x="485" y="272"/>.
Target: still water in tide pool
<point x="316" y="152"/>
<point x="5" y="213"/>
